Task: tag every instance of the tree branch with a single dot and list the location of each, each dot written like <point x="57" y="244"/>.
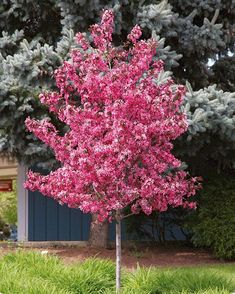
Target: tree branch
<point x="127" y="215"/>
<point x="216" y="14"/>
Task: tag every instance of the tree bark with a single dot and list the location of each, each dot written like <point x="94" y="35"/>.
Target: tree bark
<point x="98" y="233"/>
<point x="118" y="256"/>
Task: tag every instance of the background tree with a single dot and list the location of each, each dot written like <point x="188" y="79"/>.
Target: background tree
<point x="37" y="36"/>
<point x="196" y="31"/>
<point x="121" y="121"/>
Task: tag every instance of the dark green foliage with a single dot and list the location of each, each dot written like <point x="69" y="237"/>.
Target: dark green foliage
<point x="4" y="230"/>
<point x="213" y="223"/>
<point x="224" y="73"/>
<point x="35" y="19"/>
<point x="8" y="206"/>
<point x="8" y="212"/>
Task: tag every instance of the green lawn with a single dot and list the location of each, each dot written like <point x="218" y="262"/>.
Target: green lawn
<point x="32" y="273"/>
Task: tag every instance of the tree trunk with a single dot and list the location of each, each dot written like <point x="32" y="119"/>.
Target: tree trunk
<point x="98" y="233"/>
<point x="118" y="257"/>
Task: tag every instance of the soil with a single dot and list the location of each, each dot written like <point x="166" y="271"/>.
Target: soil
<point x="160" y="256"/>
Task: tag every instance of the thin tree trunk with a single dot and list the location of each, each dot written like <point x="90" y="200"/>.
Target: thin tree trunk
<point x="98" y="233"/>
<point x="118" y="256"/>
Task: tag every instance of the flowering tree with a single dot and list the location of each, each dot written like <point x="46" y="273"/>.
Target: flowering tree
<point x="121" y="122"/>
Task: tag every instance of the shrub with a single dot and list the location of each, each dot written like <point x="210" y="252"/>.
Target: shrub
<point x="213" y="223"/>
<point x="8" y="206"/>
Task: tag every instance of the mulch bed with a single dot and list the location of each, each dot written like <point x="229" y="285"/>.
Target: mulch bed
<point x="158" y="255"/>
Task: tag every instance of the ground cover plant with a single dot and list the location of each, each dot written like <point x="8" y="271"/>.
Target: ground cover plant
<point x="31" y="272"/>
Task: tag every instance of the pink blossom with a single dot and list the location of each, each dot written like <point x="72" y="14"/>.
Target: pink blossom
<point x="81" y="40"/>
<point x="135" y="34"/>
<point x="117" y="150"/>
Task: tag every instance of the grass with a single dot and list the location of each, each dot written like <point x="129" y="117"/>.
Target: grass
<point x="33" y="273"/>
<point x="200" y="280"/>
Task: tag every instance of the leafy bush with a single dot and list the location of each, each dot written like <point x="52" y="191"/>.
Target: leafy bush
<point x="213" y="223"/>
<point x="8" y="206"/>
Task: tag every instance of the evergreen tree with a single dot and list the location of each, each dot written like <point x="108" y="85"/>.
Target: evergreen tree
<point x="224" y="73"/>
<point x="37" y="35"/>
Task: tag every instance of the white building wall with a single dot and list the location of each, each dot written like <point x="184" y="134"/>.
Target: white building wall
<point x="22" y="207"/>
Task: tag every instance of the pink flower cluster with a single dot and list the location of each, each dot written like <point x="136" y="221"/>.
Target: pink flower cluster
<point x="117" y="151"/>
<point x="135" y="34"/>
